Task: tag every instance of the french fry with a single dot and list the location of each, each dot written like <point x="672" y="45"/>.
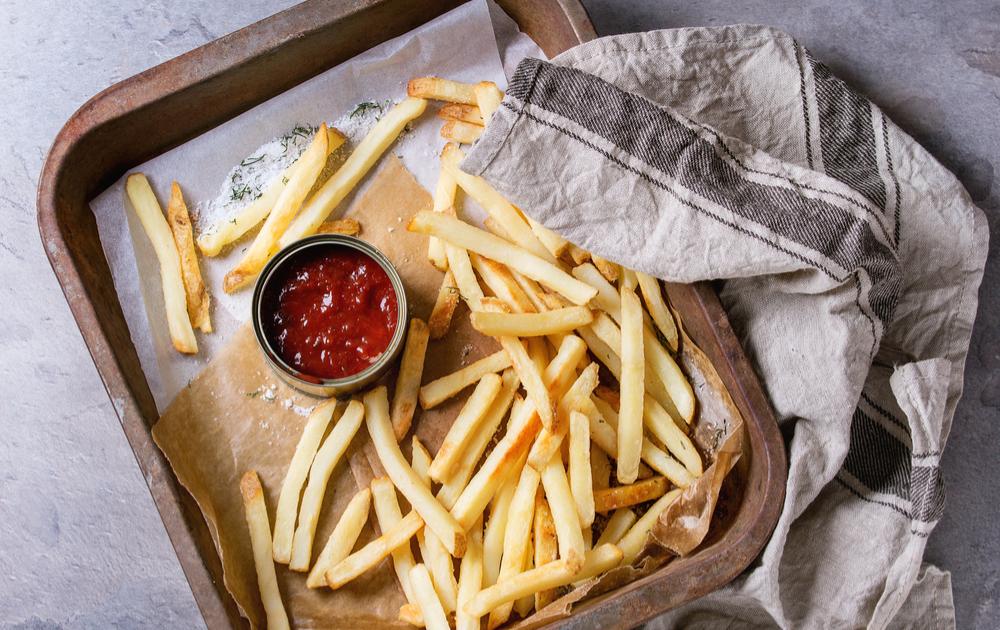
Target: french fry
<point x="406" y="481"/>
<point x="488" y="97"/>
<point x="255" y="511"/>
<point x="410" y="613"/>
<point x="662" y="426"/>
<point x="618" y="525"/>
<point x="633" y="376"/>
<point x="444" y="201"/>
<point x="496" y="530"/>
<point x="345" y="534"/>
<point x="521" y="431"/>
<point x="608" y="269"/>
<point x="516" y="537"/>
<point x="524" y="605"/>
<point x="501" y="282"/>
<point x="427" y="599"/>
<point x="229" y="229"/>
<point x="465" y="277"/>
<point x="603" y="430"/>
<point x="194" y="287"/>
<point x="580" y="480"/>
<point x="265" y="244"/>
<point x="548" y="576"/>
<point x="374" y="552"/>
<point x="350" y="227"/>
<point x="411" y="368"/>
<point x="323" y="464"/>
<point x="550" y="439"/>
<point x="657" y="308"/>
<point x="388" y="514"/>
<point x="470" y="577"/>
<point x="437" y="89"/>
<point x="444" y="306"/>
<point x="480" y="439"/>
<point x="461" y="132"/>
<point x="553" y="322"/>
<point x="628" y="279"/>
<point x="545" y="546"/>
<point x="464" y="426"/>
<point x="564" y="512"/>
<point x="147" y="208"/>
<point x="364" y="156"/>
<point x="434" y="554"/>
<point x="631" y="543"/>
<point x="559" y="373"/>
<point x="295" y="478"/>
<point x="527" y="371"/>
<point x="578" y="254"/>
<point x="499" y="209"/>
<point x="437" y="391"/>
<point x="600" y="466"/>
<point x="459" y="111"/>
<point x="552" y="241"/>
<point x="632" y="494"/>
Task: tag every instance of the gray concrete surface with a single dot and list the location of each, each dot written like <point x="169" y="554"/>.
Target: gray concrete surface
<point x="81" y="545"/>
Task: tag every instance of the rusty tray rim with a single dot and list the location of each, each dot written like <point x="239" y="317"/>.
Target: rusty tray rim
<point x="715" y="566"/>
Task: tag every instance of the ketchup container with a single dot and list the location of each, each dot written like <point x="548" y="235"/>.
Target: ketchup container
<point x="330" y="314"/>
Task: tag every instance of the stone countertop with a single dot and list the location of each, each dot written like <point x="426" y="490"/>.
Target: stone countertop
<point x="83" y="543"/>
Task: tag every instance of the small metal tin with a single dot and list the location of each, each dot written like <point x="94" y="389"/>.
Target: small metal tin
<point x="311" y="385"/>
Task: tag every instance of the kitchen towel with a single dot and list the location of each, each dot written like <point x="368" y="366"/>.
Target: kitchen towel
<point x="851" y="261"/>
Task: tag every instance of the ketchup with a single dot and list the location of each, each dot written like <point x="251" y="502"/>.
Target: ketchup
<point x="330" y="312"/>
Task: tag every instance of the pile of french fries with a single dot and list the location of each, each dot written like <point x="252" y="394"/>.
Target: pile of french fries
<point x="578" y="472"/>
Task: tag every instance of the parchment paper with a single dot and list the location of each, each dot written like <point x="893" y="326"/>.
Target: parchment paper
<point x="460" y="44"/>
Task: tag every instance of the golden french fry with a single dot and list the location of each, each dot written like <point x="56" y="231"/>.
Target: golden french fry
<point x="427" y="599"/>
<point x="501" y="462"/>
<point x="444" y="201"/>
<point x="265" y="244"/>
<point x="632" y="542"/>
<point x="229" y="229"/>
<point x="374" y="552"/>
<point x="461" y="132"/>
<point x="552" y="241"/>
<point x="260" y="543"/>
<point x="600" y="466"/>
<point x="465" y="278"/>
<point x="295" y="478"/>
<point x="608" y="269"/>
<point x="545" y="546"/>
<point x="618" y="525"/>
<point x="501" y="210"/>
<point x="464" y="426"/>
<point x="410" y="613"/>
<point x="444" y="306"/>
<point x="388" y="514"/>
<point x="550" y="439"/>
<point x="578" y="254"/>
<point x="194" y="287"/>
<point x="554" y="322"/>
<point x="437" y="391"/>
<point x="325" y="461"/>
<point x="516" y="536"/>
<point x="368" y="151"/>
<point x="437" y="89"/>
<point x="524" y="605"/>
<point x="345" y="534"/>
<point x="350" y="227"/>
<point x="411" y="369"/>
<point x="470" y="577"/>
<point x="633" y="494"/>
<point x="488" y="97"/>
<point x="633" y="376"/>
<point x="434" y="555"/>
<point x="496" y="530"/>
<point x="147" y="208"/>
<point x="559" y="373"/>
<point x="657" y="308"/>
<point x="406" y="481"/>
<point x="548" y="576"/>
<point x="580" y="480"/>
<point x="460" y="111"/>
<point x="452" y="488"/>
<point x="501" y="282"/>
<point x="662" y="426"/>
<point x="564" y="512"/>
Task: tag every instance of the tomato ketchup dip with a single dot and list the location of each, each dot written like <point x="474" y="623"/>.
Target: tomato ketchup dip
<point x="329" y="311"/>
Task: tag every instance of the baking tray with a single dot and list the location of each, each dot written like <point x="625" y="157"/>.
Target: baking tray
<point x="143" y="116"/>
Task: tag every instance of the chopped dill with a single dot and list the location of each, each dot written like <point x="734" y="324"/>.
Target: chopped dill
<point x="253" y="394"/>
<point x="251" y="160"/>
<point x="363" y="109"/>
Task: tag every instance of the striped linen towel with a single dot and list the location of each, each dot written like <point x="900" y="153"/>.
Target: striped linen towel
<point x="851" y="262"/>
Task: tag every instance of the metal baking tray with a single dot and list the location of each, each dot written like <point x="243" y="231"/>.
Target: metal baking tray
<point x="197" y="91"/>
